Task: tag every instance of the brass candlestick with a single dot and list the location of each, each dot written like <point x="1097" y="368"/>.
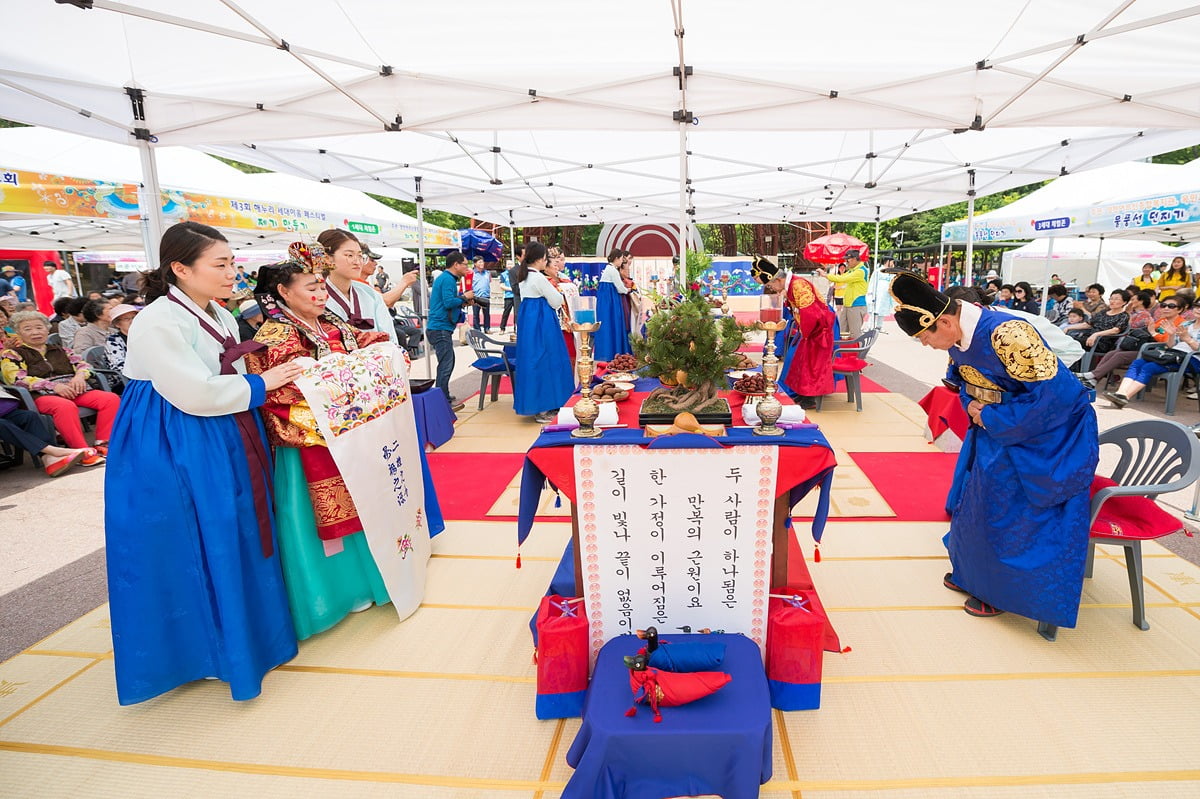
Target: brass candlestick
<point x="587" y="410"/>
<point x="769" y="408"/>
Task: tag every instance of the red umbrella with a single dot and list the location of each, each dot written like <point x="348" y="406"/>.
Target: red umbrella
<point x="832" y="249"/>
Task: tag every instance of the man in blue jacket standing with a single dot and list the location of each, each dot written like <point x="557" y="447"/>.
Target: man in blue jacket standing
<point x="445" y="312"/>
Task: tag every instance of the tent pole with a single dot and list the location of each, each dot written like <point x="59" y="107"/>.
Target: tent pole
<point x="150" y="204"/>
<point x="682" y="206"/>
<point x="684" y="120"/>
<point x="969" y="251"/>
<point x="873" y="297"/>
<point x="1099" y="251"/>
<point x="424" y="281"/>
<point x="942" y="261"/>
<point x="1046" y="274"/>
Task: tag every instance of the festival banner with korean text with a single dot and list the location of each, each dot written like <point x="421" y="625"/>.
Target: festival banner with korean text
<point x="26" y="193"/>
<point x="363" y="408"/>
<point x="675" y="538"/>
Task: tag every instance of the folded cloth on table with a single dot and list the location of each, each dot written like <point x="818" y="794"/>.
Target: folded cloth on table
<point x="791" y="413"/>
<point x="608" y="415"/>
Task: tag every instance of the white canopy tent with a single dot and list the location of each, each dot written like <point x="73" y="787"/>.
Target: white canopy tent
<point x="1113" y="263"/>
<point x="1034" y="86"/>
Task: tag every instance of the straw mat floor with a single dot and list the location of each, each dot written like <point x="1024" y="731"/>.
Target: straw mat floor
<point x="929" y="703"/>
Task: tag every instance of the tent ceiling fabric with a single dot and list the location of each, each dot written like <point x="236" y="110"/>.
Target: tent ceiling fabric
<point x="781" y="107"/>
<point x="571" y="178"/>
<point x="355" y="65"/>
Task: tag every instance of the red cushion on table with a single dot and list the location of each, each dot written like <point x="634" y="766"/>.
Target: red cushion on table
<point x="1131" y="517"/>
<point x="849" y="363"/>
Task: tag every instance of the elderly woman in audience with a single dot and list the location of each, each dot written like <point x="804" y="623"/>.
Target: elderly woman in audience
<point x="1140" y="319"/>
<point x="1104" y="326"/>
<point x="95" y="332"/>
<point x="116" y="346"/>
<point x="1179" y="336"/>
<point x="59" y="382"/>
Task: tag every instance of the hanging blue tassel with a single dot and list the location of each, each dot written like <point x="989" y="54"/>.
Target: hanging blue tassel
<point x="787" y="523"/>
<point x="557" y="500"/>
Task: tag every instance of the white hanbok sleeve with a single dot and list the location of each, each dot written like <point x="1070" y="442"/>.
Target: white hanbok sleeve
<point x="165" y="358"/>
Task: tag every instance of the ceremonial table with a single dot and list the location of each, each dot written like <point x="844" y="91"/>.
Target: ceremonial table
<point x="806" y="461"/>
<point x="720" y="744"/>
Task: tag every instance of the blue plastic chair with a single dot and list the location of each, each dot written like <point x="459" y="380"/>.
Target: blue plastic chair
<point x="492" y="362"/>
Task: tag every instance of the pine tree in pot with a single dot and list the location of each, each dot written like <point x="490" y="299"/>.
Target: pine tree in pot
<point x="688" y="351"/>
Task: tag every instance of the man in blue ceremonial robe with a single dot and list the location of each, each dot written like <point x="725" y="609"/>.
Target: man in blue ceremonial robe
<point x="1019" y="531"/>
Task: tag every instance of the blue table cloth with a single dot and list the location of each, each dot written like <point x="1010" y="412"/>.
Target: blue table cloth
<point x="435" y="420"/>
<point x="720" y="744"/>
<point x="435" y="425"/>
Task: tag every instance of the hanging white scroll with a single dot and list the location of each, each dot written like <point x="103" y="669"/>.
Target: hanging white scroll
<point x="675" y="538"/>
<point x="363" y="408"/>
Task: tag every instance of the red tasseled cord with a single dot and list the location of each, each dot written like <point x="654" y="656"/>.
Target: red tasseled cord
<point x="817" y="553"/>
<point x="632" y="711"/>
<point x="657" y="718"/>
<point x="518" y="558"/>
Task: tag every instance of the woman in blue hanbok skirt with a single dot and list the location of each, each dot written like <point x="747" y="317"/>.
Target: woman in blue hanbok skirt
<point x="544" y="375"/>
<point x="195" y="588"/>
<point x="613" y="336"/>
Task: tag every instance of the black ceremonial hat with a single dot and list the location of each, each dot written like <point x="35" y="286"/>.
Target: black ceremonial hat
<point x="918" y="304"/>
<point x="764" y="271"/>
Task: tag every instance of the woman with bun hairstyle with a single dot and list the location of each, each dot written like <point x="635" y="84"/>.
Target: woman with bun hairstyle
<point x="327" y="565"/>
<point x="544" y="380"/>
<point x="195" y="587"/>
<point x="350" y="298"/>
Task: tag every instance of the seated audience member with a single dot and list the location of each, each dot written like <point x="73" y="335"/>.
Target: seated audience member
<point x="991" y="289"/>
<point x="1177" y="334"/>
<point x="1004" y="297"/>
<point x="1057" y="304"/>
<point x="1129" y="344"/>
<point x="60" y="312"/>
<point x="1077" y="319"/>
<point x="95" y="332"/>
<point x="1139" y="309"/>
<point x="58" y="380"/>
<point x="1106" y="325"/>
<point x="23" y="428"/>
<point x="72" y="319"/>
<point x="250" y="319"/>
<point x="1093" y="301"/>
<point x="117" y="345"/>
<point x="1023" y="298"/>
<point x="5" y="325"/>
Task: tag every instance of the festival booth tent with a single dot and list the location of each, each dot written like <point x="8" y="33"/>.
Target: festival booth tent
<point x="1113" y="263"/>
<point x="887" y="132"/>
<point x="1147" y="201"/>
<point x="46" y="199"/>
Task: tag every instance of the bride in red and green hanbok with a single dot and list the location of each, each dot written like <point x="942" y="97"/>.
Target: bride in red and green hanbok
<point x="327" y="566"/>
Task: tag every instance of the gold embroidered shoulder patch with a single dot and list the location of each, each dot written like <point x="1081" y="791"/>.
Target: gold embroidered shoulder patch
<point x="272" y="333"/>
<point x="802" y="294"/>
<point x="1022" y="351"/>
